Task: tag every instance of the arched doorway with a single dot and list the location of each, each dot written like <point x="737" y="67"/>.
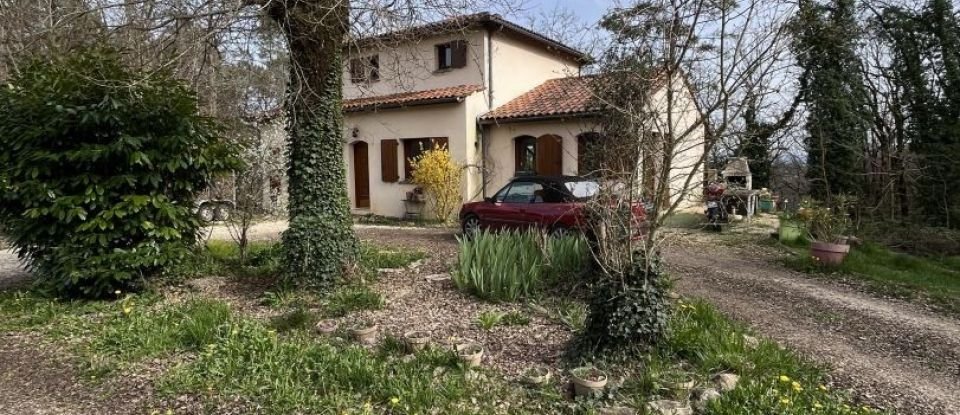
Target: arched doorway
<point x="361" y="175"/>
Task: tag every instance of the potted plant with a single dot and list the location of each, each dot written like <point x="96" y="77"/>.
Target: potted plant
<point x="791" y="227"/>
<point x="588" y="380"/>
<point x="325" y="327"/>
<point x="829" y="229"/>
<point x="416" y="340"/>
<point x="536" y="376"/>
<point x="364" y="332"/>
<point x="470" y="354"/>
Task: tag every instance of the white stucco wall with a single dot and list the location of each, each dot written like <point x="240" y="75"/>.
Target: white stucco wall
<point x="519" y="67"/>
<point x="412" y="66"/>
<point x="442" y="120"/>
<point x="689" y="151"/>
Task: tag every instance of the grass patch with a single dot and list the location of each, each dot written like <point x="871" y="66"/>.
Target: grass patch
<point x="373" y="257"/>
<point x="296" y="319"/>
<point x="932" y="280"/>
<point x="222" y="258"/>
<point x="350" y="298"/>
<point x="702" y="343"/>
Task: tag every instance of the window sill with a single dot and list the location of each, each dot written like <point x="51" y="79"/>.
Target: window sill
<point x="444" y="70"/>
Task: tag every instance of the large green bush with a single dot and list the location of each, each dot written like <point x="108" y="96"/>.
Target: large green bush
<point x="102" y="165"/>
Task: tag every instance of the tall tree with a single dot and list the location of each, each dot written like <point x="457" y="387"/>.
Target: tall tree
<point x="320" y="240"/>
<point x="825" y="42"/>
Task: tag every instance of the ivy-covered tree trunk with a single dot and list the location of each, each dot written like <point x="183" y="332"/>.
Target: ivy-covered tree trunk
<point x="320" y="241"/>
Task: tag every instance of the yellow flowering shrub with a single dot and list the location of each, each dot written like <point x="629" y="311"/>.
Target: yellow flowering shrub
<point x="439" y="175"/>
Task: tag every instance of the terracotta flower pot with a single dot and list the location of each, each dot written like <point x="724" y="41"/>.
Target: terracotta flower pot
<point x="365" y="333"/>
<point x="588" y="381"/>
<point x="470" y="354"/>
<point x="416" y="340"/>
<point x="829" y="253"/>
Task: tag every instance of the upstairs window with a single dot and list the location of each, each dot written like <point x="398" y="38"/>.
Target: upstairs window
<point x="365" y="70"/>
<point x="451" y="55"/>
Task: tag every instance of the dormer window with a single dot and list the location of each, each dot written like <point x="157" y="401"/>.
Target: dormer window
<point x="365" y="70"/>
<point x="451" y="55"/>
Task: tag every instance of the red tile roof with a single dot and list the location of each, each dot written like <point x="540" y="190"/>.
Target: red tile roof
<point x="554" y="98"/>
<point x="403" y="99"/>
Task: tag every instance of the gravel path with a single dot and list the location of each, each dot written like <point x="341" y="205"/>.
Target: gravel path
<point x="891" y="353"/>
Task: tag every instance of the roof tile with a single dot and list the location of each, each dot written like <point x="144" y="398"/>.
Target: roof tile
<point x="555" y="97"/>
<point x="409" y="98"/>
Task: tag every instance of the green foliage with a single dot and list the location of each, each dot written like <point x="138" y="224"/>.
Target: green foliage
<point x="221" y="258"/>
<point x="296" y="319"/>
<point x="630" y="310"/>
<point x="514" y="265"/>
<point x="102" y="164"/>
<point x="489" y="319"/>
<point x="352" y="298"/>
<point x="515" y="318"/>
<point x="825" y="42"/>
<point x="319" y="243"/>
<point x="374" y="258"/>
<point x="133" y="330"/>
<point x="300" y="374"/>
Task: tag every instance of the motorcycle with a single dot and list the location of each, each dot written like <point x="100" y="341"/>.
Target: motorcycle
<point x="716" y="213"/>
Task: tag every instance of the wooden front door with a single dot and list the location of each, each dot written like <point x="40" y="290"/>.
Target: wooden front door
<point x="361" y="175"/>
<point x="550" y="155"/>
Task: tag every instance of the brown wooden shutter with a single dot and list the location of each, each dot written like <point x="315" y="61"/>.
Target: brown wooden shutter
<point x="388" y="161"/>
<point x="356" y="70"/>
<point x="459" y="53"/>
<point x="549" y="155"/>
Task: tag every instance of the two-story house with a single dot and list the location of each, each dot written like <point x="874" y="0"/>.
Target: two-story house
<point x="503" y="99"/>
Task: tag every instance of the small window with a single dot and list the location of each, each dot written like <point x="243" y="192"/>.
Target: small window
<point x="526" y="155"/>
<point x="451" y="55"/>
<point x="523" y="192"/>
<point x="365" y="70"/>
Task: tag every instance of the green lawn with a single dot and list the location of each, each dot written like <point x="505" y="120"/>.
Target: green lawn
<point x="279" y="365"/>
<point x="935" y="280"/>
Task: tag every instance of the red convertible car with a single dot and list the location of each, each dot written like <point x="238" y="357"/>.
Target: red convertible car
<point x="554" y="204"/>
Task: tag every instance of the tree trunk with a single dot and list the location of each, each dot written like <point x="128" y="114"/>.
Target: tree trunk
<point x="320" y="241"/>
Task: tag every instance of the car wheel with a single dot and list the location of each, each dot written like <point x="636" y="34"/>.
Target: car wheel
<point x="471" y="225"/>
<point x="222" y="213"/>
<point x="206" y="212"/>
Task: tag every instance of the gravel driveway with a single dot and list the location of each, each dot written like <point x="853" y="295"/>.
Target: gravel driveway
<point x="891" y="353"/>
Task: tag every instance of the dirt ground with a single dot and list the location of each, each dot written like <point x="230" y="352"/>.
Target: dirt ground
<point x="889" y="353"/>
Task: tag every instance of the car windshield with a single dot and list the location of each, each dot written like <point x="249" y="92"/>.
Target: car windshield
<point x="583" y="189"/>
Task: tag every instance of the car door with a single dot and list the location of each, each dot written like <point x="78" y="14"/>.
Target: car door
<point x="547" y="207"/>
<point x="518" y="202"/>
<point x="493" y="214"/>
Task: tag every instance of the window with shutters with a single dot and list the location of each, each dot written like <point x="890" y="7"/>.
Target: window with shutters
<point x="413" y="147"/>
<point x="388" y="161"/>
<point x="526" y="155"/>
<point x="451" y="55"/>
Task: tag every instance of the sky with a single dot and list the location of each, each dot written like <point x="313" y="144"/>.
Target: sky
<point x="587" y="10"/>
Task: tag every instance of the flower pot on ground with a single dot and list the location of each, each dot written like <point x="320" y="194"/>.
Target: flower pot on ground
<point x="325" y="327"/>
<point x="416" y="340"/>
<point x="829" y="253"/>
<point x="681" y="385"/>
<point x="364" y="332"/>
<point x="588" y="381"/>
<point x="536" y="376"/>
<point x="470" y="354"/>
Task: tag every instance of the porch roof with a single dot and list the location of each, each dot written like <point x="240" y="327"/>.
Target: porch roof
<point x="406" y="99"/>
<point x="555" y="98"/>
